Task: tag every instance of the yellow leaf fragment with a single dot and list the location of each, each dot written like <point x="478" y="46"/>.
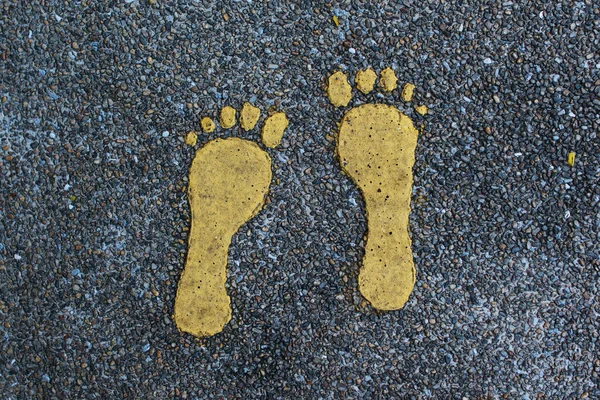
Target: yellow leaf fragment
<point x="571" y="159"/>
<point x="335" y="20"/>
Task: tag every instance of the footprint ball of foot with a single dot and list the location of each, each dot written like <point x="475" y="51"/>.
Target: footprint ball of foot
<point x="376" y="145"/>
<point x="228" y="182"/>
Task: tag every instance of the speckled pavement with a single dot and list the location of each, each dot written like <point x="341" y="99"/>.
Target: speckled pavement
<point x="96" y="99"/>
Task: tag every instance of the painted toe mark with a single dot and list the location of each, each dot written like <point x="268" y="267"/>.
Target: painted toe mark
<point x="273" y="129"/>
<point x="190" y="138"/>
<point x="227" y="117"/>
<point x="249" y="116"/>
<point x="339" y="90"/>
<point x="207" y="125"/>
<point x="422" y="109"/>
<point x="387" y="80"/>
<point x="365" y="80"/>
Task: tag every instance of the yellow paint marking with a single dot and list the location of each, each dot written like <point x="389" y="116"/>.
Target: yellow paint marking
<point x="376" y="146"/>
<point x="387" y="80"/>
<point x="207" y="125"/>
<point x="422" y="109"/>
<point x="365" y="80"/>
<point x="249" y="116"/>
<point x="228" y="182"/>
<point x="227" y="117"/>
<point x="190" y="138"/>
<point x="407" y="92"/>
<point x="273" y="129"/>
<point x="339" y="90"/>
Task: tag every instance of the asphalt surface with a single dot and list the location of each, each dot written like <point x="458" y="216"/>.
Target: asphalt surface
<point x="95" y="97"/>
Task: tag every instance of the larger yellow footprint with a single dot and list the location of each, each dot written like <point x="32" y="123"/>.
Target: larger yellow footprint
<point x="228" y="182"/>
<point x="376" y="148"/>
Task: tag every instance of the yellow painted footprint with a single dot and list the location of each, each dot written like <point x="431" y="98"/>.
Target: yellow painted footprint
<point x="228" y="182"/>
<point x="376" y="148"/>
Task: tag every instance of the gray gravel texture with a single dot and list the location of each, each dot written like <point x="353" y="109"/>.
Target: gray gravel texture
<point x="95" y="99"/>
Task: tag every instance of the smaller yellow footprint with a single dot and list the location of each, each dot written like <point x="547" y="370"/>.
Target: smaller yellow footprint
<point x="376" y="148"/>
<point x="228" y="182"/>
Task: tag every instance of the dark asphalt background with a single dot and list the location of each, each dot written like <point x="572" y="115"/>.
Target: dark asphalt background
<point x="95" y="97"/>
